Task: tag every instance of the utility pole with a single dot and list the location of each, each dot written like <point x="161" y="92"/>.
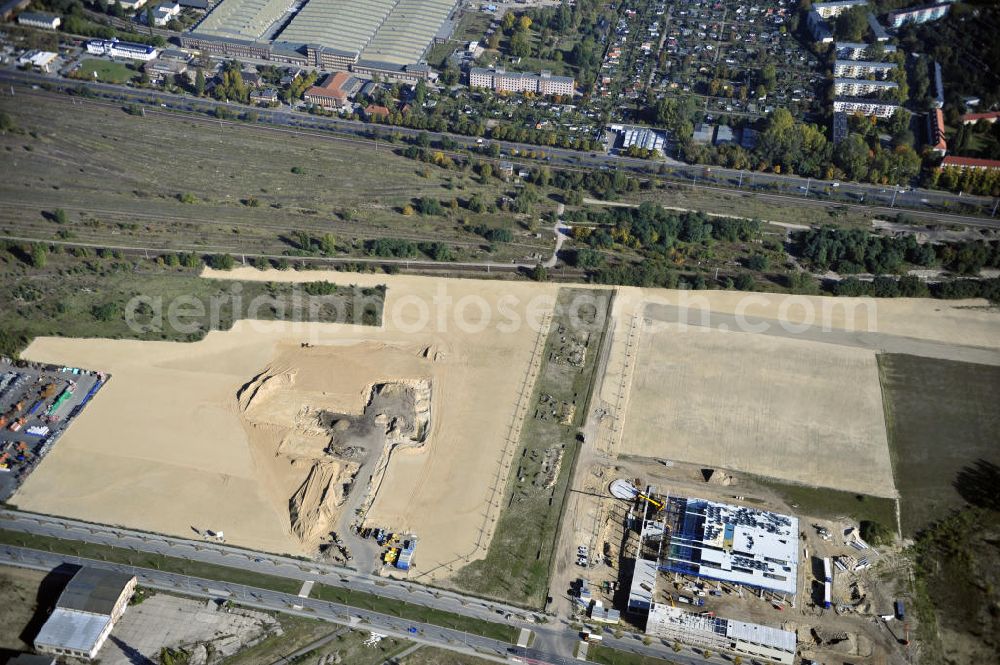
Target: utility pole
<point x="740" y="186"/>
<point x="808" y="182"/>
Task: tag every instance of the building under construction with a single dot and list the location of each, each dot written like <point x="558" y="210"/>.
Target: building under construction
<point x="735" y="544"/>
<point x="709" y="632"/>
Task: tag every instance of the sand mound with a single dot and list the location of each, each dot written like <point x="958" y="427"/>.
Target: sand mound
<point x="313" y="508"/>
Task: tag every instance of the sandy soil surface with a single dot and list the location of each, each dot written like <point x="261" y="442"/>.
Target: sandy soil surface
<point x="798" y="410"/>
<point x="755" y="373"/>
<point x="167" y="445"/>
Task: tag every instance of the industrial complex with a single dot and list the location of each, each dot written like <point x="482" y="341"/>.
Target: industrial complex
<point x="387" y="38"/>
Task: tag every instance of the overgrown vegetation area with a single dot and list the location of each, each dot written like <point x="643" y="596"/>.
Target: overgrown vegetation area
<point x="830" y="503"/>
<point x="50" y="290"/>
<point x="239" y="191"/>
<point x="943" y="424"/>
<point x="517" y="565"/>
<point x="957" y="584"/>
<point x="343" y="646"/>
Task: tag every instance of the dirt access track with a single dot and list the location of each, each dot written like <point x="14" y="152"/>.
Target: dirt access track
<point x="220" y="434"/>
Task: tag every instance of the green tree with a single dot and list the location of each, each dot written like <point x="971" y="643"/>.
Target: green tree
<point x="59" y="216"/>
<point x="852" y="24"/>
<point x="199" y="83"/>
<point x="851" y="155"/>
<point x="328" y="244"/>
<point x="38" y="256"/>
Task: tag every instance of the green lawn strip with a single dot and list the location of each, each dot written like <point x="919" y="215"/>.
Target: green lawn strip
<point x="413" y="612"/>
<point x="129" y="557"/>
<point x="609" y="656"/>
<point x="830" y="503"/>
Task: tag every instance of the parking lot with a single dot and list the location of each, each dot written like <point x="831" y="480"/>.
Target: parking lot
<point x="37" y="404"/>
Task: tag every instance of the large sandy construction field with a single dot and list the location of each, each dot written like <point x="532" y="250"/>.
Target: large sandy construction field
<point x="761" y="404"/>
<point x="800" y="403"/>
<point x="217" y="434"/>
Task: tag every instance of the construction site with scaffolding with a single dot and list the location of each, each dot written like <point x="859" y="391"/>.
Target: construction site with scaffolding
<point x="721" y="577"/>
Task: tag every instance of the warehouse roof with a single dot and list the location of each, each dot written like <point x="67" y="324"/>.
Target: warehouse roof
<point x="243" y="19"/>
<point x="93" y="590"/>
<point x="69" y="629"/>
<point x="395" y="32"/>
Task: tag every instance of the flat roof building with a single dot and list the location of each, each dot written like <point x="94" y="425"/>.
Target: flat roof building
<point x="640" y="595"/>
<point x="749" y="639"/>
<point x="87" y="610"/>
<point x="839" y="127"/>
<point x="735" y="544"/>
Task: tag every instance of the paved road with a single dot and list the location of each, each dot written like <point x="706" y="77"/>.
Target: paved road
<point x="554" y="641"/>
<point x="924" y="205"/>
<point x="264" y="599"/>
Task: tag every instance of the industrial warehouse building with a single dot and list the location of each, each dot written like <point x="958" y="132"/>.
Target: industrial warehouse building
<point x="367" y="37"/>
<point x="750" y="639"/>
<point x="88" y="608"/>
<point x="735" y="544"/>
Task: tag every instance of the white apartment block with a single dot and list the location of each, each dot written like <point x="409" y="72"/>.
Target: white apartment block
<point x="852" y="69"/>
<point x="866" y="107"/>
<point x="860" y="87"/>
<point x="501" y="80"/>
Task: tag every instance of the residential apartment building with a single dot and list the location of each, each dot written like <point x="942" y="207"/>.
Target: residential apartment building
<point x="866" y="107"/>
<point x="853" y="69"/>
<point x="39" y="20"/>
<point x="835" y="9"/>
<point x="901" y="17"/>
<point x="859" y="50"/>
<point x="851" y="87"/>
<point x="543" y="84"/>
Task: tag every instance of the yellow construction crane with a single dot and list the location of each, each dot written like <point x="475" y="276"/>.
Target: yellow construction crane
<point x="658" y="504"/>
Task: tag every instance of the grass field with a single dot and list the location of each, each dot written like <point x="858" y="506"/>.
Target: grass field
<point x="943" y="422"/>
<point x="105" y="71"/>
<point x="162" y="181"/>
<point x="830" y="503"/>
<point x="516" y="568"/>
<point x="87" y="296"/>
